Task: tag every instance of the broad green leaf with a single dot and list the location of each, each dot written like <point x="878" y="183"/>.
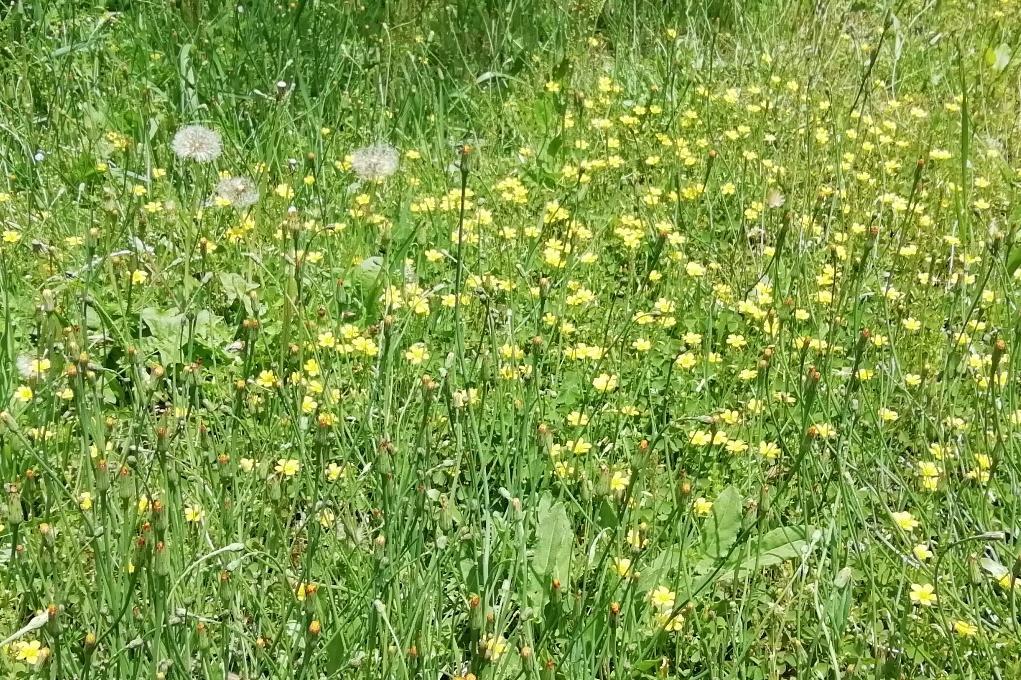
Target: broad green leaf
<point x="780" y="537"/>
<point x="170" y="331"/>
<point x="658" y="570"/>
<point x="1014" y="260"/>
<point x="336" y="652"/>
<point x="769" y="558"/>
<point x="189" y="93"/>
<point x="237" y="287"/>
<point x="554" y="539"/>
<point x="167" y="330"/>
<point x="838" y="604"/>
<point x="721" y="528"/>
<point x="998" y="58"/>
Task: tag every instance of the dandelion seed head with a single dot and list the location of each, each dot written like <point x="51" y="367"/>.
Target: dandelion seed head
<point x="240" y="192"/>
<point x="197" y="143"/>
<point x="375" y="163"/>
<point x="26" y="367"/>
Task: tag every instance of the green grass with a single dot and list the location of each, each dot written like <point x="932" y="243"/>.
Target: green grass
<point x="682" y="343"/>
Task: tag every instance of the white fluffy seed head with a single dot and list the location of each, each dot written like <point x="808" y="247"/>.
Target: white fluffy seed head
<point x="26" y="367"/>
<point x="240" y="192"/>
<point x="197" y="143"/>
<point x="375" y="163"/>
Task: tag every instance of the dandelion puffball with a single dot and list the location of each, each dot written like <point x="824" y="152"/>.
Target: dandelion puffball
<point x="197" y="143"/>
<point x="374" y="163"/>
<point x="240" y="192"/>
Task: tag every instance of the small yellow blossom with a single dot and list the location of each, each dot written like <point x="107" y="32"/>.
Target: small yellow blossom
<point x="923" y="594"/>
<point x="287" y="467"/>
<point x="194" y="513"/>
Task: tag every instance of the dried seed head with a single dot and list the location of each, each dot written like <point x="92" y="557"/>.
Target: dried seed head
<point x="197" y="143"/>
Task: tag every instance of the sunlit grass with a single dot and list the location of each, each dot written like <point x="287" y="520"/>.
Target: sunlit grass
<point x="510" y="341"/>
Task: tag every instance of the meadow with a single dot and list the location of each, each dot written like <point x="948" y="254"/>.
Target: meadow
<point x="479" y="340"/>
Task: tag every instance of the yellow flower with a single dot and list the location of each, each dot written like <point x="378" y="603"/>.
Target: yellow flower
<point x="11" y="236"/>
<point x="493" y="646"/>
<point x="577" y="419"/>
<point x="634" y="537"/>
<point x="38" y="367"/>
<point x="687" y="360"/>
<point x="579" y="447"/>
<point x="887" y="415"/>
<point x="662" y="598"/>
<point x="702" y="507"/>
<point x="694" y="269"/>
<point x="266" y="379"/>
<point x="194" y="513"/>
<point x="85" y="501"/>
<point x="922" y="552"/>
<point x="769" y="450"/>
<point x="32" y="653"/>
<point x="923" y="594"/>
<point x="669" y="623"/>
<point x="905" y="520"/>
<point x="730" y="417"/>
<point x="365" y="346"/>
<point x="736" y="446"/>
<point x="927" y="468"/>
<point x="284" y="191"/>
<point x="965" y="628"/>
<point x="138" y="277"/>
<point x="604" y="382"/>
<point x="622" y="566"/>
<point x="563" y="470"/>
<point x="700" y="438"/>
<point x="246" y="464"/>
<point x="736" y="341"/>
<point x="334" y="472"/>
<point x="417" y="354"/>
<point x="641" y="345"/>
<point x="619" y="482"/>
<point x="287" y="467"/>
<point x="23" y="394"/>
<point x="825" y="431"/>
